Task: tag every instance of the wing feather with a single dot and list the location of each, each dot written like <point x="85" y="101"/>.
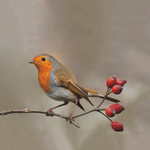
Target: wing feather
<point x="66" y="79"/>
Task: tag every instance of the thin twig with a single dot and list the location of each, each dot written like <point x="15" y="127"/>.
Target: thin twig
<point x="29" y="111"/>
<point x="104" y="115"/>
<point x="96" y="109"/>
<point x="107" y="93"/>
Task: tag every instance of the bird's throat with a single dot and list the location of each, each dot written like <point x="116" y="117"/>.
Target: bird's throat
<point x="44" y="80"/>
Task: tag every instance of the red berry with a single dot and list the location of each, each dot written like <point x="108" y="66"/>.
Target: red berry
<point x="110" y="112"/>
<point x="111" y="81"/>
<point x="118" y="108"/>
<point x="117" y="89"/>
<point x="117" y="126"/>
<point x="120" y="82"/>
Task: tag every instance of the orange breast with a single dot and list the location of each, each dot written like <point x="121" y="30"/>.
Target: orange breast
<point x="44" y="80"/>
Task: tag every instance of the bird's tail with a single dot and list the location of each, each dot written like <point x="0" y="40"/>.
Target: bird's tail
<point x="93" y="93"/>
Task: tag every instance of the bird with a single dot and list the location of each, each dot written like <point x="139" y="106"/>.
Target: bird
<point x="60" y="84"/>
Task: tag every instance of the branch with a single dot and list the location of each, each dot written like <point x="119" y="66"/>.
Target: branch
<point x="29" y="111"/>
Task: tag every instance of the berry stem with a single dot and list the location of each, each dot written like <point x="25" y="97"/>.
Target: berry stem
<point x="105" y="116"/>
<point x="107" y="92"/>
<point x="110" y="91"/>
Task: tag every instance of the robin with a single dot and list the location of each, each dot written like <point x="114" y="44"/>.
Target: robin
<point x="60" y="84"/>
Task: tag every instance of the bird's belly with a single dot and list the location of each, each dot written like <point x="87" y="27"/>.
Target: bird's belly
<point x="62" y="94"/>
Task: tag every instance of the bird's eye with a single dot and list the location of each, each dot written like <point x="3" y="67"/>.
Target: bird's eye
<point x="43" y="59"/>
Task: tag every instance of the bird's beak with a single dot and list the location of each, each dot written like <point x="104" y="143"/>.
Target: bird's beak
<point x="31" y="62"/>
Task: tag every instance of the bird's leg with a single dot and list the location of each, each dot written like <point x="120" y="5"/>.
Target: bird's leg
<point x="70" y="116"/>
<point x="50" y="110"/>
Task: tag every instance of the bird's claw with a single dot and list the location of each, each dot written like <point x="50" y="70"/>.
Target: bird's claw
<point x="70" y="119"/>
<point x="50" y="113"/>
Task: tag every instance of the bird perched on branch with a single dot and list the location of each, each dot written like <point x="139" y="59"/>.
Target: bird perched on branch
<point x="60" y="84"/>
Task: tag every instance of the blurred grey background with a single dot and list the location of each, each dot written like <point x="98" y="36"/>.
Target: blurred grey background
<point x="95" y="39"/>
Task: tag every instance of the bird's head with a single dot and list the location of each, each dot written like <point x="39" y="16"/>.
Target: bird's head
<point x="43" y="62"/>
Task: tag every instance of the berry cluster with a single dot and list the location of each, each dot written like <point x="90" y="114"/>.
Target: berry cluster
<point x="114" y="86"/>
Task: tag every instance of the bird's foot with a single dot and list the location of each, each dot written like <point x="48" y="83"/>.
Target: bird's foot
<point x="50" y="113"/>
<point x="70" y="119"/>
